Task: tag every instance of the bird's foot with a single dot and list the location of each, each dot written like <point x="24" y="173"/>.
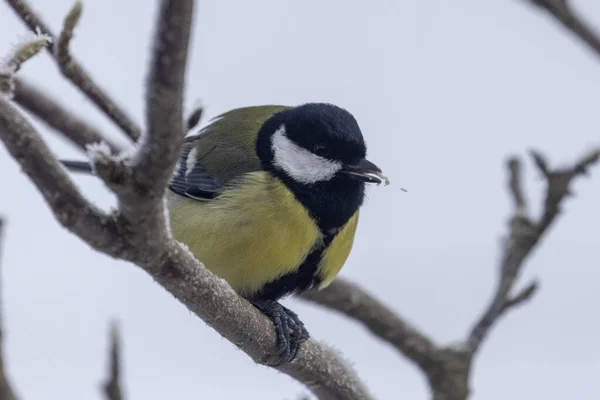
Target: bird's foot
<point x="290" y="331"/>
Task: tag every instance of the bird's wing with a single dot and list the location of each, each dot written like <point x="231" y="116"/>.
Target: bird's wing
<point x="220" y="152"/>
<point x="192" y="179"/>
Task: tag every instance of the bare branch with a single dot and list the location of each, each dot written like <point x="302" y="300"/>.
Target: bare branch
<point x="50" y="111"/>
<point x="194" y="118"/>
<point x="6" y="391"/>
<point x="516" y="189"/>
<point x="164" y="96"/>
<point x="562" y="11"/>
<point x="71" y="69"/>
<point x="30" y="18"/>
<point x="140" y="182"/>
<point x="523" y="296"/>
<point x="558" y="185"/>
<point x="448" y="368"/>
<point x="26" y="50"/>
<point x="112" y="387"/>
<point x="349" y="299"/>
<point x="524" y="235"/>
<point x="13" y="61"/>
<point x="540" y="162"/>
<point x="582" y="167"/>
<point x="69" y="206"/>
<point x="61" y="49"/>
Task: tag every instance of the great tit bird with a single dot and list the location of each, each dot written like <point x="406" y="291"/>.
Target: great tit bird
<point x="268" y="197"/>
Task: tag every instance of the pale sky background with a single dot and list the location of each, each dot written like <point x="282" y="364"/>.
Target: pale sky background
<point x="443" y="91"/>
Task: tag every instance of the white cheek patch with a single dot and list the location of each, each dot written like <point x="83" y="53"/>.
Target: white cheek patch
<point x="299" y="163"/>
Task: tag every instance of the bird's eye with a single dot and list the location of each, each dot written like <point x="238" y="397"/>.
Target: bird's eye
<point x="321" y="150"/>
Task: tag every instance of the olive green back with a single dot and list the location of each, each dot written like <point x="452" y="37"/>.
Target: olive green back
<point x="226" y="147"/>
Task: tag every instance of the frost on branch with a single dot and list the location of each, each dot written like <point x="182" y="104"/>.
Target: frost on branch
<point x="102" y="153"/>
<point x="27" y="46"/>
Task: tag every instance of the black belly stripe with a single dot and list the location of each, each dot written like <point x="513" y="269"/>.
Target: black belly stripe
<point x="304" y="278"/>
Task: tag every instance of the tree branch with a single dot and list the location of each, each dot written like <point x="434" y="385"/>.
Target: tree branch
<point x="563" y="12"/>
<point x="164" y="96"/>
<point x="71" y="69"/>
<point x="69" y="206"/>
<point x="524" y="235"/>
<point x="194" y="118"/>
<point x="349" y="299"/>
<point x="74" y="128"/>
<point x="6" y="391"/>
<point x="448" y="367"/>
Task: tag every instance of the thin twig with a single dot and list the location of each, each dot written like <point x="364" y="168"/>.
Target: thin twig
<point x="515" y="186"/>
<point x="71" y="69"/>
<point x="559" y="185"/>
<point x="164" y="95"/>
<point x="524" y="235"/>
<point x="6" y="391"/>
<point x="112" y="386"/>
<point x="50" y="111"/>
<point x="12" y="62"/>
<point x="194" y="118"/>
<point x="349" y="299"/>
<point x="61" y="48"/>
<point x="523" y="296"/>
<point x="563" y="12"/>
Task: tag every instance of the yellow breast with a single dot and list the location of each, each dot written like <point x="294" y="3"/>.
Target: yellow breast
<point x="250" y="235"/>
<point x="337" y="252"/>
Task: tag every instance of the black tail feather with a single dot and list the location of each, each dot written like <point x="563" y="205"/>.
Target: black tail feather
<point x="83" y="167"/>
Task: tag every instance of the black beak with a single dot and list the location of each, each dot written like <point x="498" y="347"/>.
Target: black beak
<point x="365" y="171"/>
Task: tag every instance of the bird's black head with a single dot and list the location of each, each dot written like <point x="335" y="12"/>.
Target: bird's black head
<point x="318" y="151"/>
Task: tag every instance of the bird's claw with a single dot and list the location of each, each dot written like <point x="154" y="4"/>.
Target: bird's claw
<point x="290" y="331"/>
